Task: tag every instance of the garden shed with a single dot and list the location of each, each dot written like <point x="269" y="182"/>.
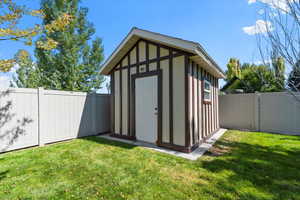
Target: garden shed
<point x="164" y="90"/>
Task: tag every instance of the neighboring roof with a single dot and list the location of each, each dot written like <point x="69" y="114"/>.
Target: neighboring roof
<point x="199" y="54"/>
<point x="229" y="84"/>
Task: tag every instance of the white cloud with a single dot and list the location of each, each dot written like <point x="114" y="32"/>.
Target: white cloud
<point x="14" y="68"/>
<point x="260" y="62"/>
<point x="261" y="11"/>
<point x="260" y="27"/>
<point x="276" y="4"/>
<point x="251" y="1"/>
<point x="4" y="81"/>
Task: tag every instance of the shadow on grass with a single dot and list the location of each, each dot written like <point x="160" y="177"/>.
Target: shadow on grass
<point x="3" y="174"/>
<point x="107" y="142"/>
<point x="271" y="169"/>
<point x="295" y="138"/>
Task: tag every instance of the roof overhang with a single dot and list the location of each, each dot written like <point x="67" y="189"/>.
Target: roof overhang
<point x="199" y="55"/>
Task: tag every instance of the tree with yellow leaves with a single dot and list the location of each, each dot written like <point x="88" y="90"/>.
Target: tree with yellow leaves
<point x="11" y="16"/>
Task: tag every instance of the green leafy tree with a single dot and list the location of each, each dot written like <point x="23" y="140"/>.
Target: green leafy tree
<point x="255" y="78"/>
<point x="258" y="79"/>
<point x="74" y="63"/>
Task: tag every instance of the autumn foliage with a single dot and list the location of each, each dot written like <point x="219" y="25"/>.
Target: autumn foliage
<point x="11" y="16"/>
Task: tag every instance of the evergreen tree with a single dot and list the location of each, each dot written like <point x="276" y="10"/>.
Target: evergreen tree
<point x="27" y="75"/>
<point x="75" y="62"/>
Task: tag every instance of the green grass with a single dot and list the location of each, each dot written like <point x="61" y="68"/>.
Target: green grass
<point x="242" y="165"/>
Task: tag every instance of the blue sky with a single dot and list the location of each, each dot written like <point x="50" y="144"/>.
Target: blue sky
<point x="216" y="24"/>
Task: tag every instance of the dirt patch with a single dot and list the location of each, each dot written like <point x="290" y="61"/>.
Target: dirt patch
<point x="219" y="150"/>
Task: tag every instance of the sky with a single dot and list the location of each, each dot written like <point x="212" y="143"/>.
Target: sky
<point x="225" y="28"/>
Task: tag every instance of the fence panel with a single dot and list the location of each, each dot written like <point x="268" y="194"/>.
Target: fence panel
<point x="103" y="113"/>
<point x="30" y="117"/>
<point x="279" y="113"/>
<point x="237" y="111"/>
<point x="269" y="112"/>
<point x="18" y="119"/>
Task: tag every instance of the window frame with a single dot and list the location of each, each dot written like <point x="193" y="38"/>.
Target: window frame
<point x="205" y="81"/>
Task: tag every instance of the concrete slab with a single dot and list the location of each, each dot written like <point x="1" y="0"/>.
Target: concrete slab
<point x="197" y="153"/>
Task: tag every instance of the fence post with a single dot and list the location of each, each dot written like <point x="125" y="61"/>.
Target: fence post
<point x="40" y="91"/>
<point x="257" y="108"/>
<point x="94" y="113"/>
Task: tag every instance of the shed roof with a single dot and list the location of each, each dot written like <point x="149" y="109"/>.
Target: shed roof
<point x="199" y="55"/>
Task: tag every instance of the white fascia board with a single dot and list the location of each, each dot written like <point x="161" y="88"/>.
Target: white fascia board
<point x="135" y="34"/>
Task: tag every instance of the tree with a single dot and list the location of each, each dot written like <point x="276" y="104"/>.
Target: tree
<point x="294" y="78"/>
<point x="255" y="78"/>
<point x="28" y="75"/>
<point x="74" y="63"/>
<point x="258" y="79"/>
<point x="10" y="30"/>
<point x="282" y="34"/>
<point x="278" y="65"/>
<point x="233" y="68"/>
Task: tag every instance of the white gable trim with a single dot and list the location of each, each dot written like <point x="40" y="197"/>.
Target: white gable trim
<point x="135" y="34"/>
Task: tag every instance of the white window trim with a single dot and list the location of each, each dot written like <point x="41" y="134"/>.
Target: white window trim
<point x="207" y="90"/>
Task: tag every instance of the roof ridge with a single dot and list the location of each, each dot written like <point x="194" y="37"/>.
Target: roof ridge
<point x="165" y="35"/>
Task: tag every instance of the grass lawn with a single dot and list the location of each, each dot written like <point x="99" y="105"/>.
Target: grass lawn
<point x="242" y="165"/>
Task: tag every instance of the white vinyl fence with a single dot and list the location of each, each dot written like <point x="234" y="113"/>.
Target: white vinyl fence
<point x="277" y="112"/>
<point x="31" y="117"/>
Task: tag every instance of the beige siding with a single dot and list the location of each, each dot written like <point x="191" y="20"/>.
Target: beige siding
<point x="164" y="52"/>
<point x="210" y="111"/>
<point x="153" y="66"/>
<point x="165" y="95"/>
<point x="152" y="51"/>
<point x="132" y="71"/>
<point x="190" y="79"/>
<point x="133" y="56"/>
<point x="206" y="120"/>
<point x="142" y="51"/>
<point x="117" y="102"/>
<point x="195" y="106"/>
<point x="200" y="104"/>
<point x="179" y="101"/>
<point x="124" y="101"/>
<point x="209" y="114"/>
<point x="213" y="105"/>
<point x="201" y="117"/>
<point x="215" y="109"/>
<point x="196" y="125"/>
<point x="218" y="120"/>
<point x="125" y="62"/>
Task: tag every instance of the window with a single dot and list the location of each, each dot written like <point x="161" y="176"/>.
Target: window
<point x="207" y="91"/>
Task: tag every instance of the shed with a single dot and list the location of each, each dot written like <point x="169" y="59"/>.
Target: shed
<point x="164" y="90"/>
